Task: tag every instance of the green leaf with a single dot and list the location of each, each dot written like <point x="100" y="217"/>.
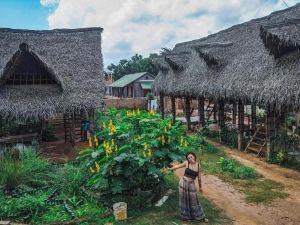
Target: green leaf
<point x="95" y="154"/>
<point x="142" y="161"/>
<point x="174" y="156"/>
<point x="121" y="157"/>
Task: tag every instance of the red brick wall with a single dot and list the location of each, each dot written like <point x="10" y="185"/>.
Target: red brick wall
<point x="131" y="103"/>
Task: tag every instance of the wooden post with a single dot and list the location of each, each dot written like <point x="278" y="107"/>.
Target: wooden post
<point x="72" y="131"/>
<point x="234" y="110"/>
<point x="253" y="117"/>
<point x="240" y="125"/>
<point x="201" y="111"/>
<point x="162" y="108"/>
<point x="221" y="114"/>
<point x="215" y="112"/>
<point x="270" y="132"/>
<point x="188" y="112"/>
<point x="173" y="109"/>
<point x="65" y="126"/>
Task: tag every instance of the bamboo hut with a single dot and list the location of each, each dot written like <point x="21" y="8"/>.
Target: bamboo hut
<point x="256" y="62"/>
<point x="51" y="72"/>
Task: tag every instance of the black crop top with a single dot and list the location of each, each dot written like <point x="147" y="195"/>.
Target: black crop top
<point x="191" y="173"/>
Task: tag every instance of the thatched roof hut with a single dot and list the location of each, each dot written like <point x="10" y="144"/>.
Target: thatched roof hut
<point x="44" y="72"/>
<point x="257" y="61"/>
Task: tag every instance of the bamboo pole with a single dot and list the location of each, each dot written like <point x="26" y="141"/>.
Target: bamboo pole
<point x="201" y="111"/>
<point x="253" y="117"/>
<point x="221" y="114"/>
<point x="270" y="132"/>
<point x="234" y="110"/>
<point x="72" y="131"/>
<point x="173" y="104"/>
<point x="162" y="107"/>
<point x="188" y="112"/>
<point x="240" y="125"/>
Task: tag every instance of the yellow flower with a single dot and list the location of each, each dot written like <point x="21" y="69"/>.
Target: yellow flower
<point x="103" y="125"/>
<point x="92" y="170"/>
<point x="97" y="167"/>
<point x="181" y="141"/>
<point x="149" y="152"/>
<point x="169" y="140"/>
<point x="90" y="142"/>
<point x="163" y="140"/>
<point x="138" y="111"/>
<point x="185" y="144"/>
<point x="144" y="153"/>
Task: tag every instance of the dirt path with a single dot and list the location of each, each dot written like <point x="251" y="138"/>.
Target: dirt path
<point x="279" y="212"/>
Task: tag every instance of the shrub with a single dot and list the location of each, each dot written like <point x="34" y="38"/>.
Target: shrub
<point x="21" y="168"/>
<point x="22" y="208"/>
<point x="133" y="148"/>
<point x="69" y="178"/>
<point x="236" y="170"/>
<point x="229" y="137"/>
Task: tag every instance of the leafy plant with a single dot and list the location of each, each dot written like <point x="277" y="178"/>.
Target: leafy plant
<point x="133" y="147"/>
<point x="21" y="168"/>
<point x="235" y="169"/>
<point x="229" y="137"/>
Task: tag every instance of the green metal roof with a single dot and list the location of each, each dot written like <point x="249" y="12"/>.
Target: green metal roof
<point x="146" y="84"/>
<point x="127" y="79"/>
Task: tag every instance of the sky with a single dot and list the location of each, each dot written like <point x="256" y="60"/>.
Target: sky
<point x="136" y="26"/>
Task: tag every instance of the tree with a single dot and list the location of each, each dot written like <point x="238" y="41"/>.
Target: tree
<point x="135" y="64"/>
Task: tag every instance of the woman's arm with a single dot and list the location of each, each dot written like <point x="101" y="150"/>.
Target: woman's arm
<point x="179" y="166"/>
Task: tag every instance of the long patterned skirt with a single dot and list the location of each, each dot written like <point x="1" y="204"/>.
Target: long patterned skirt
<point x="190" y="207"/>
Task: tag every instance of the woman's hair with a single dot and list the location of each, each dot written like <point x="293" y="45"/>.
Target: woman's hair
<point x="190" y="153"/>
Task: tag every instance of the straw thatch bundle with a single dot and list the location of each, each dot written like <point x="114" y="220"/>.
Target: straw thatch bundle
<point x="257" y="61"/>
<point x="71" y="57"/>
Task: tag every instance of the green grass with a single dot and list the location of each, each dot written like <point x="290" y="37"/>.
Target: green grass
<point x="256" y="188"/>
<point x="169" y="212"/>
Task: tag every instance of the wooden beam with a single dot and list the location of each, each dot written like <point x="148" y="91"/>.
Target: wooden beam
<point x="270" y="132"/>
<point x="72" y="129"/>
<point x="215" y="112"/>
<point x="65" y="125"/>
<point x="253" y="117"/>
<point x="234" y="111"/>
<point x="173" y="104"/>
<point x="162" y="107"/>
<point x="240" y="126"/>
<point x="201" y="111"/>
<point x="188" y="112"/>
<point x="221" y="114"/>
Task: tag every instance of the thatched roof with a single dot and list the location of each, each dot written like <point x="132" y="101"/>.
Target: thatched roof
<point x="257" y="61"/>
<point x="70" y="58"/>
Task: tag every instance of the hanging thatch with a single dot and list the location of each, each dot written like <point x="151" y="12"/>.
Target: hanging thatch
<point x="236" y="63"/>
<point x="66" y="72"/>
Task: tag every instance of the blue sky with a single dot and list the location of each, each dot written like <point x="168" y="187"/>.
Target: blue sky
<point x="136" y="26"/>
<point x="26" y="14"/>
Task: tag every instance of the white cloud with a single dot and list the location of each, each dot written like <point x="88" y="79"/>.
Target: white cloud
<point x="144" y="26"/>
<point x="48" y="2"/>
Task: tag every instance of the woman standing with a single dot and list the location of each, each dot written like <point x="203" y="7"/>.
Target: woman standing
<point x="190" y="207"/>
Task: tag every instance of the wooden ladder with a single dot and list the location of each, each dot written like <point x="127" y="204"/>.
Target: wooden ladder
<point x="68" y="127"/>
<point x="257" y="141"/>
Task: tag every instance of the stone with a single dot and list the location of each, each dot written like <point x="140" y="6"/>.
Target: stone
<point x="5" y="223"/>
